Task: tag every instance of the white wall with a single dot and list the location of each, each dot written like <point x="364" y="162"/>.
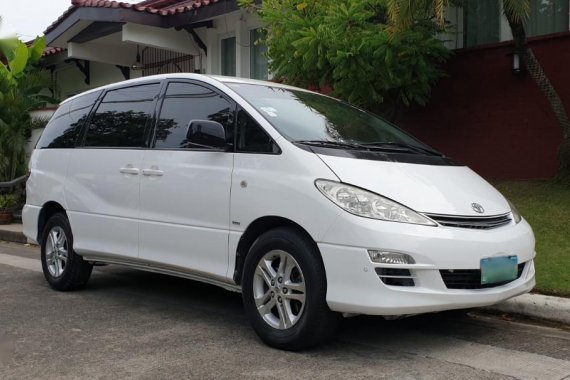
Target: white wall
<point x="71" y="81"/>
<point x="236" y="24"/>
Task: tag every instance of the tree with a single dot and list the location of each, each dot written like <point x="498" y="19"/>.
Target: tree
<point x="403" y="17"/>
<point x="21" y="90"/>
<point x="344" y="45"/>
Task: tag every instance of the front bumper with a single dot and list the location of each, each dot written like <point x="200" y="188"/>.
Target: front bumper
<point x="353" y="286"/>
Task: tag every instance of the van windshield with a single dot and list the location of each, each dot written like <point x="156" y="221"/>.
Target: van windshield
<point x="310" y="118"/>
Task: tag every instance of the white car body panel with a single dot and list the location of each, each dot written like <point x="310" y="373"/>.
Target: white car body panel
<point x="103" y="202"/>
<point x="448" y="190"/>
<point x="185" y="212"/>
<point x="44" y="185"/>
<point x="261" y="188"/>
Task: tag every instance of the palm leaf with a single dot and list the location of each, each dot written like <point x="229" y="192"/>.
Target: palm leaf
<point x="516" y="10"/>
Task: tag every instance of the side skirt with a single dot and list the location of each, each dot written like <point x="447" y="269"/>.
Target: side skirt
<point x="150" y="266"/>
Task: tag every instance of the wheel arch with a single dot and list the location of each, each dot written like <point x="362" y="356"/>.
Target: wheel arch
<point x="48" y="210"/>
<point x="253" y="231"/>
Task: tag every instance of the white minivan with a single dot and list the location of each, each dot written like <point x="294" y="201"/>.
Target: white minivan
<point x="310" y="207"/>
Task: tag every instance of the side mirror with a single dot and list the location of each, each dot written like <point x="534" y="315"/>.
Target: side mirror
<point x="207" y="134"/>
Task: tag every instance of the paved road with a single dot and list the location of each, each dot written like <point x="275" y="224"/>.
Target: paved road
<point x="143" y="325"/>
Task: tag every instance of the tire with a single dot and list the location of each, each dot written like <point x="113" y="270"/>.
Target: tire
<point x="283" y="320"/>
<point x="63" y="269"/>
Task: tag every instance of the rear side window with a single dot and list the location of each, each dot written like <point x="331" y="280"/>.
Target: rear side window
<point x="121" y="118"/>
<point x="65" y="125"/>
<point x="185" y="102"/>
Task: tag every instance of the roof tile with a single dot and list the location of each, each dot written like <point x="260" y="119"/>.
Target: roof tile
<point x="160" y="7"/>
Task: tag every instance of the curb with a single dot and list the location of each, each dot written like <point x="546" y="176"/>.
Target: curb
<point x="549" y="308"/>
<point x="13" y="236"/>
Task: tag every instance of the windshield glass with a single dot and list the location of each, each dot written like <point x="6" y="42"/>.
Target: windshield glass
<point x="308" y="117"/>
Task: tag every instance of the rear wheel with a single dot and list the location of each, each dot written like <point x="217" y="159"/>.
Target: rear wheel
<point x="62" y="267"/>
<point x="284" y="290"/>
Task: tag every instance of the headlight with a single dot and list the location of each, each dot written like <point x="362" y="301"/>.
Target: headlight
<point x="369" y="205"/>
<point x="516" y="214"/>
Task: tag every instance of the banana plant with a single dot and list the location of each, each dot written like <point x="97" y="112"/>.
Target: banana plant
<point x="23" y="88"/>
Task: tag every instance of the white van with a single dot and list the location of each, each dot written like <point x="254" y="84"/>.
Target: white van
<point x="312" y="208"/>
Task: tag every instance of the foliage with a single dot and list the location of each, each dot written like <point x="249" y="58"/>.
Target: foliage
<point x="403" y="16"/>
<point x="546" y="207"/>
<point x="8" y="202"/>
<point x="345" y="45"/>
<point x="22" y="87"/>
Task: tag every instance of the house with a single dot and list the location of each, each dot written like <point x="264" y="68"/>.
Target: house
<point x="97" y="42"/>
<point x="100" y="42"/>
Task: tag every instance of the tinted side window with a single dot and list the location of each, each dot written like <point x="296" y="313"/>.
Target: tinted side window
<point x="122" y="116"/>
<point x="65" y="125"/>
<point x="251" y="138"/>
<point x="185" y="102"/>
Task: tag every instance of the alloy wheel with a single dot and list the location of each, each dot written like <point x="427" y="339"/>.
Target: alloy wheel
<point x="56" y="251"/>
<point x="279" y="289"/>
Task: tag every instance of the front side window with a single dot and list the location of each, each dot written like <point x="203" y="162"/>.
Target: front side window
<point x="482" y="20"/>
<point x="303" y="116"/>
<point x="258" y="61"/>
<point x="121" y="118"/>
<point x="229" y="56"/>
<point x="185" y="103"/>
<point x="547" y="16"/>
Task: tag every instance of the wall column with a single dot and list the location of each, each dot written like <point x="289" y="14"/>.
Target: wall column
<point x="213" y="57"/>
<point x="243" y="44"/>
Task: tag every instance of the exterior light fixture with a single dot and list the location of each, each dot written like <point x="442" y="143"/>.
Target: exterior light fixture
<point x="516" y="64"/>
<point x="138" y="64"/>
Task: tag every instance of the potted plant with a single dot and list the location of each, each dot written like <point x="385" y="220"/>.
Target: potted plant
<point x="7" y="204"/>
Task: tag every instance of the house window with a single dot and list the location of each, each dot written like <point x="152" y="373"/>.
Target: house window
<point x="482" y="20"/>
<point x="229" y="56"/>
<point x="258" y="63"/>
<point x="547" y="16"/>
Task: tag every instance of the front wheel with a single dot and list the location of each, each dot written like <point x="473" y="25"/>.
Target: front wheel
<point x="284" y="290"/>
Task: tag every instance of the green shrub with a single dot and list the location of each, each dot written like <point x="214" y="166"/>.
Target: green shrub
<point x="8" y="202"/>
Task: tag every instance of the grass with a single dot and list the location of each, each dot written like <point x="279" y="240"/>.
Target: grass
<point x="546" y="206"/>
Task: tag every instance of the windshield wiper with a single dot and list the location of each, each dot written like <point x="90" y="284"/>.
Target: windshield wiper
<point x="408" y="147"/>
<point x="329" y="143"/>
<point x="377" y="146"/>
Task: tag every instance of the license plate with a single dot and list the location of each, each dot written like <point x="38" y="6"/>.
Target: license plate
<point x="498" y="269"/>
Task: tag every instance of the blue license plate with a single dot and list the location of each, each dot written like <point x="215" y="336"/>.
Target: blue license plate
<point x="498" y="269"/>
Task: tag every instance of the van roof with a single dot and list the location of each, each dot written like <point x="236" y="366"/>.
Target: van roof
<point x="160" y="77"/>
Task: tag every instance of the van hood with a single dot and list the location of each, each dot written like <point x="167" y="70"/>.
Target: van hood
<point x="436" y="189"/>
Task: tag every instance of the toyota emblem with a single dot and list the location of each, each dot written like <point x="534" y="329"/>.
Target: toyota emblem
<point x="477" y="208"/>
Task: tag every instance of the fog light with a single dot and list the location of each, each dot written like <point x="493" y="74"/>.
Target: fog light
<point x="383" y="257"/>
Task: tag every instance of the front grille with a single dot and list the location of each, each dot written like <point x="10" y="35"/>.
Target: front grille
<point x="474" y="222"/>
<point x="470" y="278"/>
<point x="395" y="277"/>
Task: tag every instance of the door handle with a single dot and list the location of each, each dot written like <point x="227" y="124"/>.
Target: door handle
<point x="129" y="169"/>
<point x="153" y="172"/>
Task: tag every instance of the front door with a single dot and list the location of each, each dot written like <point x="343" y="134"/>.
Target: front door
<point x="185" y="187"/>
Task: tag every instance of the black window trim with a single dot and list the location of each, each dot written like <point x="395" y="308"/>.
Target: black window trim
<point x="240" y="108"/>
<point x="148" y="126"/>
<point x="160" y="103"/>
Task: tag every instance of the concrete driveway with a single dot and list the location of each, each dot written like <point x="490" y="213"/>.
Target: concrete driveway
<point x="131" y="324"/>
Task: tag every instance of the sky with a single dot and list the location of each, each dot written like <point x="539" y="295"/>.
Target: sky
<point x="29" y="18"/>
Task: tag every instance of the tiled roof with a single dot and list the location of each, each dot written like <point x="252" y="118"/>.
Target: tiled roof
<point x="160" y="7"/>
<point x="51" y="51"/>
